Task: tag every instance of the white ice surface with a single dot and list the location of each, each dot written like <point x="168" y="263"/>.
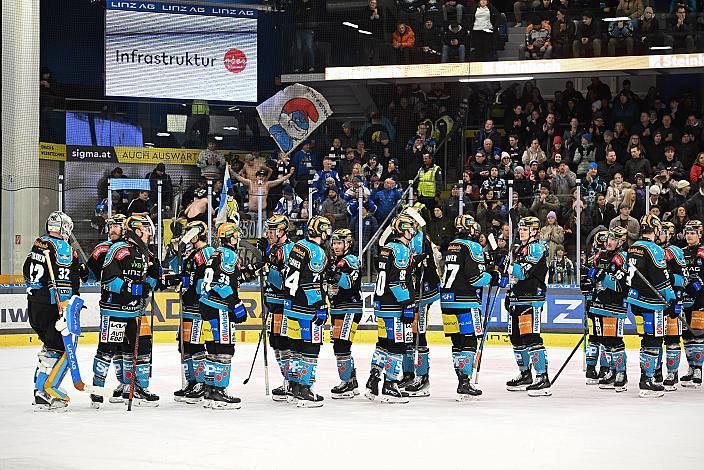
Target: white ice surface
<point x="579" y="427"/>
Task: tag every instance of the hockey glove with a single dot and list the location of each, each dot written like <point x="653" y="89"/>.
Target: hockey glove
<point x="146" y="290"/>
<point x="497" y="280"/>
<point x="694" y="286"/>
<point x="240" y="313"/>
<point x="171" y="280"/>
<point x="321" y="316"/>
<point x="61" y="326"/>
<point x="409" y="314"/>
<point x="185" y="281"/>
<point x="587" y="285"/>
<point x="133" y="288"/>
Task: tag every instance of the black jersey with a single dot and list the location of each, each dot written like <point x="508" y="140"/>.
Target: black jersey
<point x="303" y="282"/>
<point x="65" y="264"/>
<point x="344" y="272"/>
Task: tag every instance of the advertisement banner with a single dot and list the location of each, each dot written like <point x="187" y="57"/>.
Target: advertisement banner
<point x="561" y="313"/>
<point x="180" y="51"/>
<point x="90" y="153"/>
<point x="124" y="155"/>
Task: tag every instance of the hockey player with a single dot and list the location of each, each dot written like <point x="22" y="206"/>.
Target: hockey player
<point x="606" y="282"/>
<point x="395" y="310"/>
<point x="344" y="288"/>
<point x="306" y="310"/>
<point x="220" y="309"/>
<point x="693" y="334"/>
<point x="677" y="269"/>
<point x="276" y="252"/>
<point x="648" y="258"/>
<point x="524" y="302"/>
<point x="465" y="275"/>
<point x="426" y="258"/>
<point x="116" y="229"/>
<point x="195" y="236"/>
<point x="127" y="280"/>
<point x="43" y="311"/>
<point x="595" y="348"/>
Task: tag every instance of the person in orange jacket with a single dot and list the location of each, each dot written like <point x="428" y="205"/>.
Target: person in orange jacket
<point x="403" y="41"/>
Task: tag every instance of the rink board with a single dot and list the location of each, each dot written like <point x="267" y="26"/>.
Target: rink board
<point x="561" y="317"/>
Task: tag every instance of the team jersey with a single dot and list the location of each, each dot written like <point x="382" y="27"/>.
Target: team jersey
<point x="610" y="272"/>
<point x="530" y="269"/>
<point x="694" y="259"/>
<point x="276" y="256"/>
<point x="648" y="258"/>
<point x="221" y="279"/>
<point x="676" y="266"/>
<point x="303" y="285"/>
<point x="126" y="262"/>
<point x="65" y="264"/>
<point x="193" y="274"/>
<point x="465" y="274"/>
<point x="393" y="287"/>
<point x="431" y="276"/>
<point x="348" y="298"/>
<point x="97" y="259"/>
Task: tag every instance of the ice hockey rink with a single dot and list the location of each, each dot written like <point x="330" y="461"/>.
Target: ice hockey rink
<point x="579" y="427"/>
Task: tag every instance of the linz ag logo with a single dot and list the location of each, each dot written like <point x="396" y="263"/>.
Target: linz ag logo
<point x="235" y="61"/>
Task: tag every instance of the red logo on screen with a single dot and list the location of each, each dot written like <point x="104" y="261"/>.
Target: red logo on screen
<point x="235" y="61"/>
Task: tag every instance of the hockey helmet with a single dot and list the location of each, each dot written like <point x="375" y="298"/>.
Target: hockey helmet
<point x="278" y="222"/>
<point x="60" y="223"/>
<point x="141" y="222"/>
<point x="669" y="228"/>
<point x="193" y="229"/>
<point x="600" y="238"/>
<point x="465" y="223"/>
<point x="101" y="208"/>
<point x="402" y="223"/>
<point x="693" y="226"/>
<point x="530" y="222"/>
<point x="618" y="233"/>
<point x="227" y="230"/>
<point x="319" y="226"/>
<point x="650" y="224"/>
<point x="200" y="193"/>
<point x="342" y="234"/>
<point x="116" y="219"/>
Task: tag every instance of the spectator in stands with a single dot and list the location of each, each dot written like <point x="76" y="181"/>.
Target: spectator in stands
<point x="647" y="32"/>
<point x="334" y="208"/>
<point x="544" y="203"/>
<point x="211" y="163"/>
<point x="598" y="90"/>
<point x="303" y="160"/>
<point x="252" y="165"/>
<point x="563" y="34"/>
<point x="167" y="187"/>
<point x="452" y="11"/>
<point x="385" y="199"/>
<point x="680" y="36"/>
<point x="321" y="176"/>
<point x="602" y="212"/>
<point x="693" y="127"/>
<point x="290" y="204"/>
<point x="260" y="184"/>
<point x="403" y="41"/>
<point x="360" y="152"/>
<point x="451" y="207"/>
<point x="607" y="169"/>
<point x="483" y="26"/>
<point x="489" y="208"/>
<point x="537" y="43"/>
<point x="523" y="5"/>
<point x="391" y="171"/>
<point x="409" y="11"/>
<point x="687" y="150"/>
<point x="587" y="37"/>
<point x="552" y="234"/>
<point x="348" y="137"/>
<point x="630" y="8"/>
<point x="584" y="154"/>
<point x="429" y="43"/>
<point x="371" y="129"/>
<point x="454" y="42"/>
<point x="496" y="184"/>
<point x="672" y="167"/>
<point x="140" y="205"/>
<point x="624" y="110"/>
<point x="591" y="187"/>
<point x="643" y="127"/>
<point x="304" y="14"/>
<point x="620" y="35"/>
<point x="624" y="219"/>
<point x="695" y="205"/>
<point x="374" y="19"/>
<point x="441" y="229"/>
<point x="534" y="152"/>
<point x="697" y="170"/>
<point x="429" y="183"/>
<point x="679" y="196"/>
<point x="636" y="165"/>
<point x="656" y="148"/>
<point x="479" y="168"/>
<point x="562" y="183"/>
<point x="372" y="168"/>
<point x="545" y="11"/>
<point x="506" y="166"/>
<point x="670" y="133"/>
<point x="432" y="9"/>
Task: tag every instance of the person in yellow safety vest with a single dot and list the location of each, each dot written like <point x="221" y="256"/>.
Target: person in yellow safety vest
<point x="429" y="183"/>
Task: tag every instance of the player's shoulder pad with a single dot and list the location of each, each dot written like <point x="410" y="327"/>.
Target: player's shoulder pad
<point x="657" y="253"/>
<point x="619" y="258"/>
<point x="203" y="255"/>
<point x="417" y="243"/>
<point x="101" y="248"/>
<point x="63" y="250"/>
<point x="119" y="251"/>
<point x="228" y="259"/>
<point x="316" y="254"/>
<point x="352" y="261"/>
<point x="402" y="254"/>
<point x="536" y="250"/>
<point x="677" y="253"/>
<point x="287" y="247"/>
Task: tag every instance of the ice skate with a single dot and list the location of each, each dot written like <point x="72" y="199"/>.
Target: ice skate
<point x="345" y="390"/>
<point x="307" y="398"/>
<point x="45" y="403"/>
<point x="420" y="387"/>
<point x="141" y="397"/>
<point x="96" y="401"/>
<point x="541" y="387"/>
<point x="620" y="382"/>
<point x="390" y="393"/>
<point x="180" y="395"/>
<point x="521" y="382"/>
<point x="670" y="382"/>
<point x="649" y="388"/>
<point x="373" y="384"/>
<point x="607" y="382"/>
<point x="221" y="400"/>
<point x="117" y="394"/>
<point x="592" y="375"/>
<point x="196" y="394"/>
<point x="282" y="392"/>
<point x="693" y="378"/>
<point x="466" y="391"/>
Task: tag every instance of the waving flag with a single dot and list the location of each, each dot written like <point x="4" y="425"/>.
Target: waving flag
<point x="293" y="114"/>
<point x="228" y="211"/>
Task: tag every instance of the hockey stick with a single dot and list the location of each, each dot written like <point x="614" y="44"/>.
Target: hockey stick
<point x="69" y="346"/>
<point x="416" y="346"/>
<point x="554" y="379"/>
<point x="133" y="379"/>
<point x="485" y="325"/>
<point x="265" y="317"/>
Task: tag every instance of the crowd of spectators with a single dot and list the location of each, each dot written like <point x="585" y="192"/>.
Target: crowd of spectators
<point x="433" y="31"/>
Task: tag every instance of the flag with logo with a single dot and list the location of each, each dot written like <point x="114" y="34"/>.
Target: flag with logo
<point x="293" y="114"/>
<point x="228" y="210"/>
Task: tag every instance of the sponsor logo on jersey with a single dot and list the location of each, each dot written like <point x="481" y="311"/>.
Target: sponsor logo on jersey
<point x="122" y="253"/>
